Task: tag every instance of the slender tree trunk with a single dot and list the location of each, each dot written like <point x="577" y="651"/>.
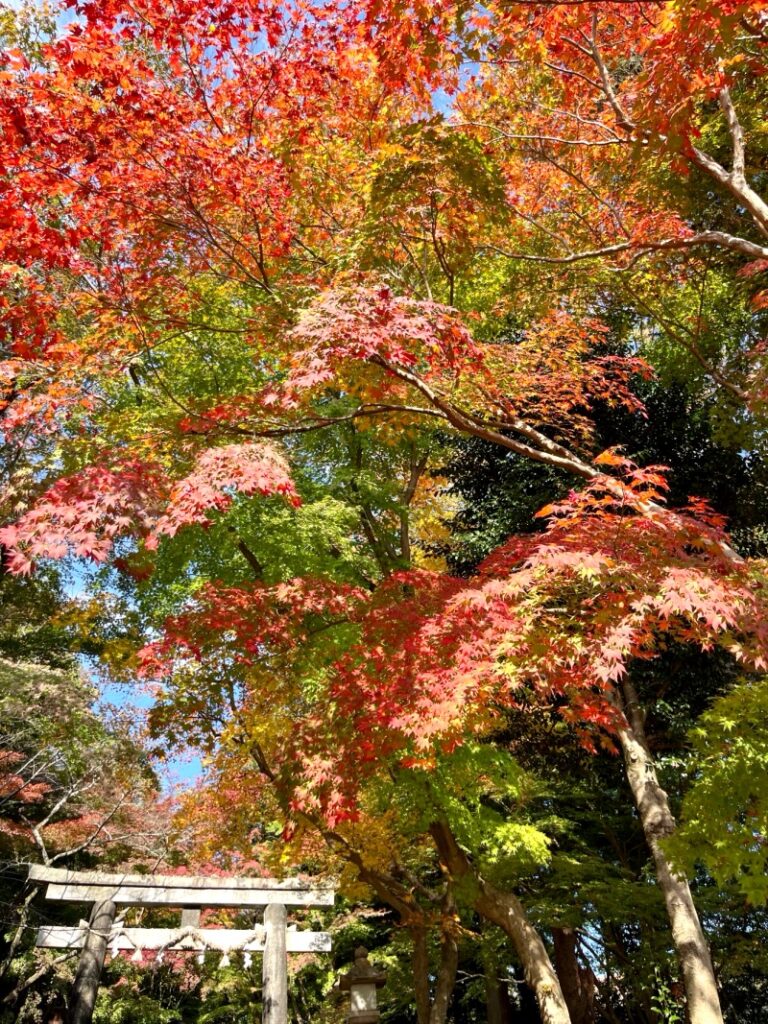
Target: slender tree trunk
<point x="446" y="980"/>
<point x="19" y="931"/>
<point x="498" y="1007"/>
<point x="505" y="910"/>
<point x="576" y="981"/>
<point x="420" y="962"/>
<point x="449" y="961"/>
<point x="658" y="823"/>
<point x="13" y="997"/>
<point x="434" y="1009"/>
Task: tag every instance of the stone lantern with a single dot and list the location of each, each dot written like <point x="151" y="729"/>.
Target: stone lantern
<point x="361" y="983"/>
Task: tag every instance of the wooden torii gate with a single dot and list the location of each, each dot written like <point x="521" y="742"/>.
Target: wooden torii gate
<point x="104" y="930"/>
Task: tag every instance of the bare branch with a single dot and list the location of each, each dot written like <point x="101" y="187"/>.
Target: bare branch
<point x="719" y="238"/>
<point x="94" y="835"/>
<point x="621" y="117"/>
<point x="21" y="988"/>
<point x="522" y="137"/>
<point x="545" y="450"/>
<point x="736" y="132"/>
<point x="734" y="180"/>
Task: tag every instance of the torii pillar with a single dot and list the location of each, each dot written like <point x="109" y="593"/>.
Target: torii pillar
<point x="86" y="985"/>
<point x="275" y="966"/>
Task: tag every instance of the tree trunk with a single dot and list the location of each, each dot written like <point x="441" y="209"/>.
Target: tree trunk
<point x="434" y="1009"/>
<point x="89" y="969"/>
<point x="420" y="962"/>
<point x="658" y="823"/>
<point x="429" y="1009"/>
<point x="18" y="934"/>
<point x="505" y="910"/>
<point x="528" y="1011"/>
<point x="498" y="1007"/>
<point x="449" y="961"/>
<point x="576" y="981"/>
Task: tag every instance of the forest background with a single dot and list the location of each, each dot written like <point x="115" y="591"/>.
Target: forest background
<point x="389" y="379"/>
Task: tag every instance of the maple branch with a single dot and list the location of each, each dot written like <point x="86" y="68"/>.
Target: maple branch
<point x="258" y="755"/>
<point x="15" y="941"/>
<point x="719" y="238"/>
<point x="35" y="767"/>
<point x="581" y="47"/>
<point x="523" y="137"/>
<point x="200" y="85"/>
<point x="439" y="248"/>
<point x="503" y="908"/>
<point x="94" y="835"/>
<point x="735" y="180"/>
<point x="13" y="995"/>
<point x="570" y="72"/>
<point x="261" y="259"/>
<point x="546" y="451"/>
<point x="383" y="884"/>
<point x="572" y="115"/>
<point x="536" y="224"/>
<point x="295" y="240"/>
<point x="151" y="368"/>
<point x="36" y="829"/>
<point x="736" y="132"/>
<point x="754" y="30"/>
<point x="621" y="117"/>
<point x="420" y="270"/>
<point x="383" y="551"/>
<point x="562" y="3"/>
<point x="262" y="281"/>
<point x="417" y="468"/>
<point x="606" y="204"/>
<point x="689" y="344"/>
<point x="247" y="554"/>
<point x="321" y="422"/>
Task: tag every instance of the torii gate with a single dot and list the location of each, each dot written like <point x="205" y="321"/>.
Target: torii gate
<point x="191" y="893"/>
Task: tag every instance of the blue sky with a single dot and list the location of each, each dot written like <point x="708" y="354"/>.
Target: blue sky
<point x="177" y="770"/>
<point x="130" y="697"/>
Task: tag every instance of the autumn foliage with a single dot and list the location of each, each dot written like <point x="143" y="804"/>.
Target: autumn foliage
<point x="264" y="265"/>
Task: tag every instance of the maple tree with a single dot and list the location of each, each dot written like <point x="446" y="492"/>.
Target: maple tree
<point x="456" y="652"/>
<point x="248" y="266"/>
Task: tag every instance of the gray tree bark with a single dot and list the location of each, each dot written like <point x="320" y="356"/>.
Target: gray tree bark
<point x="86" y="986"/>
<point x="505" y="910"/>
<point x="658" y="822"/>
